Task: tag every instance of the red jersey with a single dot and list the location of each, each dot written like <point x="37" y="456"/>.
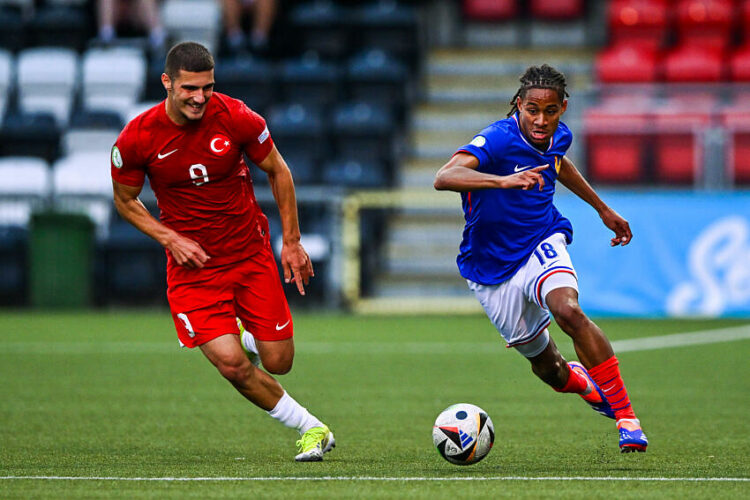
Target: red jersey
<point x="198" y="174"/>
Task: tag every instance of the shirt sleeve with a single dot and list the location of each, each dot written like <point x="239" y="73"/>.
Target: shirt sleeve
<point x="253" y="133"/>
<point x="126" y="165"/>
<point x="484" y="147"/>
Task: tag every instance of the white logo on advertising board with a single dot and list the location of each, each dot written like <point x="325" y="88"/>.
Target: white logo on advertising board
<point x="719" y="268"/>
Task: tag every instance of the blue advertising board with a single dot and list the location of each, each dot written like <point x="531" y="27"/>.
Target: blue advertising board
<point x="690" y="254"/>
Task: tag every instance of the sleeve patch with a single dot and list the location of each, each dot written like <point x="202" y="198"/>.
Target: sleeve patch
<point x="263" y="136"/>
<point x="478" y="141"/>
<point x="116" y="157"/>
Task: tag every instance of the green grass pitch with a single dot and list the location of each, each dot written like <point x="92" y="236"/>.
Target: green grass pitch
<point x="111" y="395"/>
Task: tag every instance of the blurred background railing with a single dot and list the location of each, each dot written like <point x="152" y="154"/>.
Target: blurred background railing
<point x="373" y="97"/>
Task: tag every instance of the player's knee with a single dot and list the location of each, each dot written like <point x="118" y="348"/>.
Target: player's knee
<point x="569" y="315"/>
<point x="278" y="364"/>
<point x="235" y="370"/>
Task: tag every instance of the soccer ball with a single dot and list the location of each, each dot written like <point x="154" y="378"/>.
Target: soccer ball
<point x="463" y="434"/>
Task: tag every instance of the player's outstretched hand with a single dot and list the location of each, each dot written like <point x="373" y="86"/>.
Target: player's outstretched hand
<point x="618" y="225"/>
<point x="187" y="252"/>
<point x="526" y="179"/>
<point x="297" y="266"/>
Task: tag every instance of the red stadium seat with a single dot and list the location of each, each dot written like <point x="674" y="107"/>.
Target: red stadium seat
<point x="624" y="63"/>
<point x="694" y="63"/>
<point x="639" y="22"/>
<point x="615" y="145"/>
<point x="678" y="144"/>
<point x="739" y="64"/>
<point x="705" y="22"/>
<point x="737" y="123"/>
<point x="557" y="9"/>
<point x="490" y="10"/>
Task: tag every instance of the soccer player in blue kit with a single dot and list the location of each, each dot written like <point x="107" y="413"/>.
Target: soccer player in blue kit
<point x="513" y="254"/>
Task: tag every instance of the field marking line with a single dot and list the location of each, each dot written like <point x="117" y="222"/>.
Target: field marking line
<point x="376" y="478"/>
<point x="682" y="339"/>
<point x="422" y="348"/>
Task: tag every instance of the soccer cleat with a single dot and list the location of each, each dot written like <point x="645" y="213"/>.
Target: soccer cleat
<point x="632" y="437"/>
<point x="314" y="443"/>
<point x="594" y="395"/>
<point x="246" y="341"/>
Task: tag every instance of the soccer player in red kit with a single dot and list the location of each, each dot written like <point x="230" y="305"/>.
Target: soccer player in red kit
<point x="220" y="265"/>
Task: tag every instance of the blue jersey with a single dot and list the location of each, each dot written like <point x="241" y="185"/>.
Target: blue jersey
<point x="504" y="226"/>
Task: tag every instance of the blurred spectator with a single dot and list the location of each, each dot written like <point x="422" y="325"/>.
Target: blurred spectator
<point x="263" y="14"/>
<point x="137" y="13"/>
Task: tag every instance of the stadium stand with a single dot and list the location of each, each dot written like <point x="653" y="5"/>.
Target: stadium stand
<point x="47" y="81"/>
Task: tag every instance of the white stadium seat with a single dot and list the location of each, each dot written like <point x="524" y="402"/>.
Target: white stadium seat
<point x="47" y="80"/>
<point x="113" y="79"/>
<point x="82" y="183"/>
<point x="194" y="20"/>
<point x="138" y="108"/>
<point x="87" y="140"/>
<point x="6" y="79"/>
<point x="24" y="184"/>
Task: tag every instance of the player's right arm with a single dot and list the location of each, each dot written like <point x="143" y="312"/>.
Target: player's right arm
<point x="460" y="174"/>
<point x="185" y="251"/>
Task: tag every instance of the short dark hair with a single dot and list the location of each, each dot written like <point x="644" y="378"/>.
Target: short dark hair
<point x="544" y="77"/>
<point x="189" y="56"/>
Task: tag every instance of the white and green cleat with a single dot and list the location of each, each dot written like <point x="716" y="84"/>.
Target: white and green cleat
<point x="314" y="443"/>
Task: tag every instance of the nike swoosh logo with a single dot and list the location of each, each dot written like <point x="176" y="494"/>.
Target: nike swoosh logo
<point x="282" y="326"/>
<point x="519" y="168"/>
<point x="162" y="156"/>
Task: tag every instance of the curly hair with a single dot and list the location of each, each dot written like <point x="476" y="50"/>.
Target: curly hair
<point x="536" y="77"/>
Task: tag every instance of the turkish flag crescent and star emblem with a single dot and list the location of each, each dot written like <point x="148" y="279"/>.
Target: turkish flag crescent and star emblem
<point x="220" y="144"/>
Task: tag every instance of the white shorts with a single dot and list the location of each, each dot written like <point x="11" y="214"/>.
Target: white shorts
<point x="517" y="306"/>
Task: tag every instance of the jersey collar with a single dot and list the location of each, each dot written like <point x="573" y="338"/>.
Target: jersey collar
<point x="523" y="137"/>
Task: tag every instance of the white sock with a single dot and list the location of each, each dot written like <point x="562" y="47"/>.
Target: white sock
<point x="248" y="341"/>
<point x="292" y="414"/>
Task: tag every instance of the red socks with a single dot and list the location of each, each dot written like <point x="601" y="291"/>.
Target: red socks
<point x="607" y="377"/>
<point x="577" y="383"/>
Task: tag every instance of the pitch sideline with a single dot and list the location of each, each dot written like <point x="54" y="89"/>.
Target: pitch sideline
<point x="384" y="479"/>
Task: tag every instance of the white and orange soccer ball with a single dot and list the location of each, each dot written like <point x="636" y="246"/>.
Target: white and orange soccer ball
<point x="463" y="434"/>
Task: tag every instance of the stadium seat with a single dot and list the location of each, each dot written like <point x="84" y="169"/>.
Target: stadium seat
<point x="678" y="144"/>
<point x="639" y="22"/>
<point x="557" y="10"/>
<point x="375" y="77"/>
<point x="247" y="79"/>
<point x="310" y="80"/>
<point x="693" y="63"/>
<point x="30" y="134"/>
<point x="60" y="26"/>
<point x="6" y="80"/>
<point x="365" y="133"/>
<point x="304" y="170"/>
<point x="194" y="20"/>
<point x="739" y="64"/>
<point x="616" y="144"/>
<point x="112" y="78"/>
<point x="25" y="187"/>
<point x="737" y="124"/>
<point x="391" y="27"/>
<point x="625" y="63"/>
<point x="14" y="243"/>
<point x="354" y="174"/>
<point x="299" y="129"/>
<point x="324" y="27"/>
<point x="705" y="23"/>
<point x="47" y="81"/>
<point x="12" y="28"/>
<point x="490" y="10"/>
<point x="153" y="90"/>
<point x="136" y="109"/>
<point x="133" y="266"/>
<point x="82" y="183"/>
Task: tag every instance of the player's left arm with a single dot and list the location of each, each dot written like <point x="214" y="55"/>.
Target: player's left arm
<point x="294" y="259"/>
<point x="572" y="179"/>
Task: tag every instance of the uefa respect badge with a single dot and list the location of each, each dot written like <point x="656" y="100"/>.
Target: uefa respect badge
<point x="116" y="157"/>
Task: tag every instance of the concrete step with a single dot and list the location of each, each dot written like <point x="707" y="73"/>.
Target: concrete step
<point x="398" y="285"/>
